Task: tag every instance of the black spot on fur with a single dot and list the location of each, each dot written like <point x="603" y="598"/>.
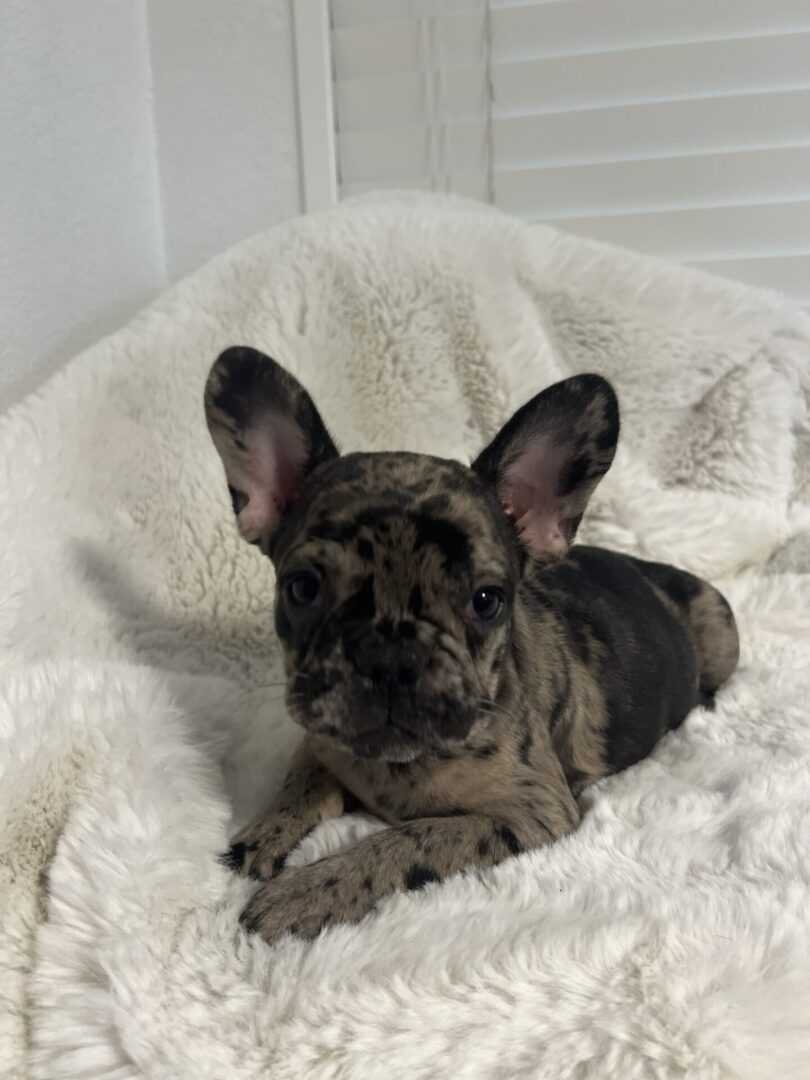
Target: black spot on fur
<point x="339" y="531"/>
<point x="579" y="639"/>
<point x="415" y="601"/>
<point x="407" y="631"/>
<point x="330" y="883"/>
<point x="485" y="751"/>
<point x="436" y="504"/>
<point x="234" y="857"/>
<point x="447" y="537"/>
<point x="374" y="516"/>
<point x="239" y="499"/>
<point x="509" y="838"/>
<point x="455" y="811"/>
<point x="365" y="550"/>
<point x="368" y="884"/>
<point x="278" y="863"/>
<point x="418" y="876"/>
<point x="575" y="473"/>
<point x="525" y="746"/>
<point x="360" y="605"/>
<point x="483" y="847"/>
<point x="560" y="706"/>
<point x="351" y="804"/>
<point x="608" y="436"/>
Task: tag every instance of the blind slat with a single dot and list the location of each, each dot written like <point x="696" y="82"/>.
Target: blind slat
<point x="663" y="73"/>
<point x="720" y="233"/>
<point x="747" y="176"/>
<point x="558" y="29"/>
<point x="539" y="87"/>
<point x="593" y="136"/>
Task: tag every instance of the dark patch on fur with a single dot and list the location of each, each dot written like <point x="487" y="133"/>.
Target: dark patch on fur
<point x="525" y="745"/>
<point x="234" y="857"/>
<point x="360" y="605"/>
<point x="338" y="531"/>
<point x="575" y="473"/>
<point x="451" y="541"/>
<point x="374" y="517"/>
<point x="239" y="499"/>
<point x="509" y="838"/>
<point x="415" y="601"/>
<point x="365" y="550"/>
<point x="485" y="751"/>
<point x="436" y="504"/>
<point x="419" y="875"/>
<point x="351" y="804"/>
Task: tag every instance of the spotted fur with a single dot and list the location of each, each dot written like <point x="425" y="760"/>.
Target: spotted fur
<point x="470" y="736"/>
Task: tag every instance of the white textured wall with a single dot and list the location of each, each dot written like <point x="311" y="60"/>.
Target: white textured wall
<point x="226" y="121"/>
<point x="80" y="242"/>
<point x="137" y="139"/>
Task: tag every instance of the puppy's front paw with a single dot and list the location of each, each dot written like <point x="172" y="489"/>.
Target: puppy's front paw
<point x="260" y="850"/>
<point x="303" y="901"/>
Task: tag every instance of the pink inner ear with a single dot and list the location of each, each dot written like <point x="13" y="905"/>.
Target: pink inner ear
<point x="536" y="516"/>
<point x="268" y="471"/>
<point x="527" y="492"/>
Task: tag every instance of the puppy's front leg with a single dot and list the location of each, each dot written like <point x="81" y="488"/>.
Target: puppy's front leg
<point x="344" y="887"/>
<point x="310" y="794"/>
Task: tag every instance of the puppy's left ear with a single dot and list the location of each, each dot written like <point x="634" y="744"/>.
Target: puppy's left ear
<point x="546" y="461"/>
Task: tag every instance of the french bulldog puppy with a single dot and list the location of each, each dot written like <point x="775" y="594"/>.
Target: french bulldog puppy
<point x="459" y="670"/>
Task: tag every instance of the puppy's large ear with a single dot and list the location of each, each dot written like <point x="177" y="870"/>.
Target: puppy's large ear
<point x="268" y="433"/>
<point x="546" y="461"/>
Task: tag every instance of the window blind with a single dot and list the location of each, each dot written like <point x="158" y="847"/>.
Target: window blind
<point x="680" y="128"/>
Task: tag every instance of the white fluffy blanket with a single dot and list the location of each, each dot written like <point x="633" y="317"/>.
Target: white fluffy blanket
<point x="141" y="718"/>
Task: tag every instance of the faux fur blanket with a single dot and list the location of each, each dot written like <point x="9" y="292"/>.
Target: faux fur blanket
<point x="141" y="717"/>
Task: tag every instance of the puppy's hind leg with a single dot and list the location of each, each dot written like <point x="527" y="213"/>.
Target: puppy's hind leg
<point x="716" y="638"/>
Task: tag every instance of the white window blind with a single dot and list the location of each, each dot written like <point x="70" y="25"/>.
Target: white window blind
<point x="680" y="128"/>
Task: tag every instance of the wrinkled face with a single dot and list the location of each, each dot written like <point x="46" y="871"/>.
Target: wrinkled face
<point x="396" y="575"/>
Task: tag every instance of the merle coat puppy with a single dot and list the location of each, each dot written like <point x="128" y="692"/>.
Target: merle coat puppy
<point x="458" y="668"/>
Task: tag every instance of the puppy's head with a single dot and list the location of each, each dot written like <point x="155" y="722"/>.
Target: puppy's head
<point x="397" y="574"/>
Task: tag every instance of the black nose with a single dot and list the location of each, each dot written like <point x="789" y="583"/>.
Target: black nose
<point x="382" y="660"/>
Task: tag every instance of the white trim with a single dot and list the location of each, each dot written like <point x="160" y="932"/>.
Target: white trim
<point x="315" y="110"/>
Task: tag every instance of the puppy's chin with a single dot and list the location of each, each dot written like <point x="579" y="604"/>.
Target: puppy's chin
<point x="370" y="734"/>
<point x="383" y="745"/>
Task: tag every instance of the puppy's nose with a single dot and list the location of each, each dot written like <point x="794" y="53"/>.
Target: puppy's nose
<point x="383" y="660"/>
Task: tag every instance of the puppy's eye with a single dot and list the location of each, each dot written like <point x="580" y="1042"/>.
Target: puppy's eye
<point x="303" y="588"/>
<point x="486" y="604"/>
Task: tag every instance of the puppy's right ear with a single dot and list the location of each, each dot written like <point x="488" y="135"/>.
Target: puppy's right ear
<point x="268" y="433"/>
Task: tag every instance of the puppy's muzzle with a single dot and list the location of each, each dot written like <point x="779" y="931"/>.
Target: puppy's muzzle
<point x="390" y="661"/>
